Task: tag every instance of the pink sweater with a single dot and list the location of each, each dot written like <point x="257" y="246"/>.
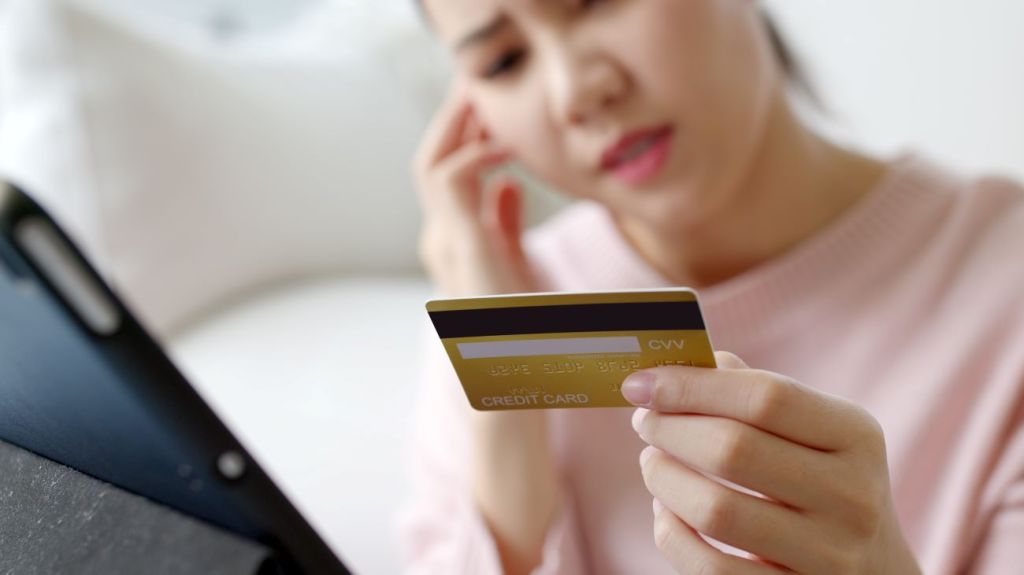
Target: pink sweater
<point x="911" y="304"/>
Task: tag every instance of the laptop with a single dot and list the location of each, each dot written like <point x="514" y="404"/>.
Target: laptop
<point x="83" y="384"/>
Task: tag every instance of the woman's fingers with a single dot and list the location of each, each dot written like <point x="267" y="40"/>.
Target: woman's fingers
<point x="446" y="133"/>
<point x="756" y="525"/>
<point x="457" y="181"/>
<point x="470" y="241"/>
<point x="768" y="401"/>
<point x="740" y="454"/>
<point x="688" y="552"/>
<point x="820" y="500"/>
<point x="453" y="155"/>
<point x="502" y="214"/>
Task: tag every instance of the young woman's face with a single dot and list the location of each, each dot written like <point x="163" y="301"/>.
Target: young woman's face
<point x="652" y="107"/>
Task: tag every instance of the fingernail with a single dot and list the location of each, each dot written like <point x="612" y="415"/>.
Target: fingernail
<point x="638" y="388"/>
<point x="657" y="506"/>
<point x="638" y="417"/>
<point x="646" y="454"/>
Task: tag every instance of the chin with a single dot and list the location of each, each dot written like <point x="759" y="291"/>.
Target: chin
<point x="665" y="206"/>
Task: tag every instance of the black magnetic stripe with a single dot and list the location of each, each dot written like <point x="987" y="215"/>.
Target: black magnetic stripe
<point x="674" y="315"/>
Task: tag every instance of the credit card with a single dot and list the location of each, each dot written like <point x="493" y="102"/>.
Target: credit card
<point x="566" y="350"/>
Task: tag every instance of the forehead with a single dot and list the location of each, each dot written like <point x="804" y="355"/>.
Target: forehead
<point x="454" y="18"/>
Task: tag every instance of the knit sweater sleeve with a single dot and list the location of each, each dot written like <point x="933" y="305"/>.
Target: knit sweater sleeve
<point x="442" y="530"/>
<point x="1001" y="542"/>
<point x="1002" y="550"/>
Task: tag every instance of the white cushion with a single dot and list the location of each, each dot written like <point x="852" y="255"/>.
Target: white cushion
<point x="317" y="380"/>
<point x="196" y="170"/>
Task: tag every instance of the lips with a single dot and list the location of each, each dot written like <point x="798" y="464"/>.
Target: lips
<point x="638" y="156"/>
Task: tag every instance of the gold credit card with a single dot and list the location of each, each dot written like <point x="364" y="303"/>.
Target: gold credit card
<point x="547" y="351"/>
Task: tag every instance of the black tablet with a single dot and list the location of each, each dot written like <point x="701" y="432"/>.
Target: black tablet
<point x="83" y="384"/>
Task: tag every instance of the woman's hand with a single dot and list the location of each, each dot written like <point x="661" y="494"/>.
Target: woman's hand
<point x="817" y="461"/>
<point x="471" y="245"/>
<point x="471" y="241"/>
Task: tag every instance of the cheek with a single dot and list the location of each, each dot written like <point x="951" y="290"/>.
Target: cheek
<point x="702" y="58"/>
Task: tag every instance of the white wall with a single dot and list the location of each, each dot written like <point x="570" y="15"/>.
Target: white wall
<point x="943" y="76"/>
<point x="223" y="16"/>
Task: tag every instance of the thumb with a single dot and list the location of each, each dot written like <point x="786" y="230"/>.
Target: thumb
<point x="726" y="360"/>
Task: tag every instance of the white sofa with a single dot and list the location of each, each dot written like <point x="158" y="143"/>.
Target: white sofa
<point x="316" y="378"/>
<point x="248" y="194"/>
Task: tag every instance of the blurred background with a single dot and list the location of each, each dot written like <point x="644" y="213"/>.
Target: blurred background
<point x="239" y="170"/>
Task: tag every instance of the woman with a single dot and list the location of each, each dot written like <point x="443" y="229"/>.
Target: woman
<point x="874" y="424"/>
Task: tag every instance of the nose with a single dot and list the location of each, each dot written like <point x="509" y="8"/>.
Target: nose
<point x="584" y="85"/>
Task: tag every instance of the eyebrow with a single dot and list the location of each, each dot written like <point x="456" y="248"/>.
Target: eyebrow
<point x="482" y="33"/>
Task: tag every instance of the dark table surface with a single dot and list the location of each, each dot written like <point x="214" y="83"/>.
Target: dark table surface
<point x="56" y="520"/>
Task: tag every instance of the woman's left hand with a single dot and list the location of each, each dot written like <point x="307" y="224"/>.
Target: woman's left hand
<point x="818" y="461"/>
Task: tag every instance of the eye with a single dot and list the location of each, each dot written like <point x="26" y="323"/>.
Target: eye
<point x="504" y="64"/>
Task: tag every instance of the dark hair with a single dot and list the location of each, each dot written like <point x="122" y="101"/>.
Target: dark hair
<point x="791" y="66"/>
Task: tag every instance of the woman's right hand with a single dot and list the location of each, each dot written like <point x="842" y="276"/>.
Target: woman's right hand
<point x="471" y="243"/>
